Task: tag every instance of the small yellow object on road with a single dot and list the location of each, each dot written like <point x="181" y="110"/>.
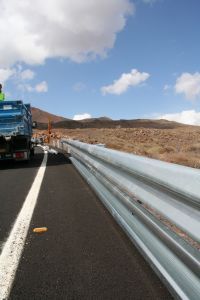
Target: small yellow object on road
<point x="40" y="229"/>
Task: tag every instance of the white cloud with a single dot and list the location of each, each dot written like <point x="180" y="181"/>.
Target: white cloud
<point x="190" y="117"/>
<point x="16" y="74"/>
<point x="20" y="78"/>
<point x="189" y="85"/>
<point x="78" y="30"/>
<point x="6" y="74"/>
<point x="41" y="87"/>
<point x="24" y="87"/>
<point x="82" y="117"/>
<point x="126" y="80"/>
<point x="27" y="74"/>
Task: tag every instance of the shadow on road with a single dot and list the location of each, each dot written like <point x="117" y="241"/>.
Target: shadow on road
<point x="35" y="162"/>
<point x="58" y="159"/>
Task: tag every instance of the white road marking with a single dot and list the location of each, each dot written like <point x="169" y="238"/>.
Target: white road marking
<point x="48" y="149"/>
<point x="12" y="250"/>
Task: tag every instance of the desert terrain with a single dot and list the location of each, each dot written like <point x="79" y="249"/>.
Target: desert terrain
<point x="160" y="139"/>
<point x="180" y="145"/>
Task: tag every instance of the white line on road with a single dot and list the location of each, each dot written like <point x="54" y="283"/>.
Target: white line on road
<point x="11" y="253"/>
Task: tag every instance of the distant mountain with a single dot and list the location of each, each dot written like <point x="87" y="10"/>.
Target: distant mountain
<point x="95" y="119"/>
<point x="108" y="123"/>
<point x="42" y="118"/>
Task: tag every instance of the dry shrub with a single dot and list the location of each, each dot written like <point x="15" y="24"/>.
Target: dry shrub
<point x="169" y="149"/>
<point x="157" y="150"/>
<point x="181" y="158"/>
<point x="194" y="148"/>
<point x="113" y="146"/>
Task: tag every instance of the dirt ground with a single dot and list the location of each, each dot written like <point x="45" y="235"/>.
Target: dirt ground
<point x="180" y="145"/>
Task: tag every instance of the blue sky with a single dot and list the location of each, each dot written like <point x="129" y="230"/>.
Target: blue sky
<point x="73" y="65"/>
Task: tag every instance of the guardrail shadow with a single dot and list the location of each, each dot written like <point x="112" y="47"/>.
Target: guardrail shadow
<point x="58" y="159"/>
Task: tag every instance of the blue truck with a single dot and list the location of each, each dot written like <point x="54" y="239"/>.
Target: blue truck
<point x="15" y="131"/>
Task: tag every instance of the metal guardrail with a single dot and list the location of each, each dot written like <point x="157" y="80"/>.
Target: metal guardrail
<point x="156" y="203"/>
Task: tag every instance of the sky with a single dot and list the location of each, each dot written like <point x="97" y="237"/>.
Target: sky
<point x="123" y="59"/>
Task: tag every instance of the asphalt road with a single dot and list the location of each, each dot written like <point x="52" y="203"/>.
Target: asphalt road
<point x="15" y="182"/>
<point x="84" y="254"/>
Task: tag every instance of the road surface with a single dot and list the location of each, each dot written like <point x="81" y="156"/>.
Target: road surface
<point x="83" y="255"/>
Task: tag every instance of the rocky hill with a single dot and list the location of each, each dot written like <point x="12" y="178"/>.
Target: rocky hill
<point x="43" y="117"/>
<point x="108" y="123"/>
